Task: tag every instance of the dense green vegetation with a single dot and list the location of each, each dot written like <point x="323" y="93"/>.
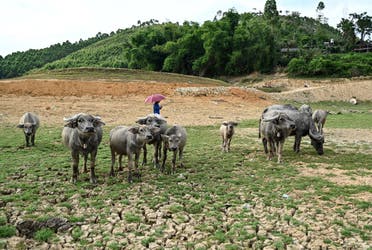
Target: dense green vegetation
<point x="230" y="44"/>
<point x="236" y="199"/>
<point x="18" y="63"/>
<point x="341" y="65"/>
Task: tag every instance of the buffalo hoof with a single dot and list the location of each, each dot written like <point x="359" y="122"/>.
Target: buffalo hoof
<point x="93" y="180"/>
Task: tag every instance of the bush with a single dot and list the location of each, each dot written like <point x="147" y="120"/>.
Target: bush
<point x="297" y="66"/>
<point x="44" y="235"/>
<point x="335" y="65"/>
<point x="7" y="231"/>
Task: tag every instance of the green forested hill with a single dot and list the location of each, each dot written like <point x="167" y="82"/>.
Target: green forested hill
<point x="230" y="44"/>
<point x="18" y="63"/>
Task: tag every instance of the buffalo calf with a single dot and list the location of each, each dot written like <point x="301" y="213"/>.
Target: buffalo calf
<point x="174" y="140"/>
<point x="129" y="141"/>
<point x="227" y="131"/>
<point x="319" y="118"/>
<point x="29" y="122"/>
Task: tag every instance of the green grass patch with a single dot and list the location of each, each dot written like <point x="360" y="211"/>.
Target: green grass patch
<point x="117" y="75"/>
<point x="240" y="187"/>
<point x="44" y="235"/>
<point x="7" y="231"/>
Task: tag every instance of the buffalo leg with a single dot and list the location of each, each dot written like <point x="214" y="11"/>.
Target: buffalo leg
<point x="136" y="160"/>
<point x="181" y="158"/>
<point x="279" y="151"/>
<point x="85" y="170"/>
<point x="93" y="178"/>
<point x="112" y="172"/>
<point x="27" y="140"/>
<point x="159" y="149"/>
<point x="156" y="155"/>
<point x="296" y="146"/>
<point x="75" y="166"/>
<point x="174" y="161"/>
<point x="264" y="142"/>
<point x="271" y="149"/>
<point x="164" y="159"/>
<point x="228" y="144"/>
<point x="144" y="162"/>
<point x="120" y="163"/>
<point x="33" y="139"/>
<point x="130" y="166"/>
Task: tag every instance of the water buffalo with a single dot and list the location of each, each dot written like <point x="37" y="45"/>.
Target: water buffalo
<point x="82" y="133"/>
<point x="154" y="120"/>
<point x="306" y="108"/>
<point x="174" y="140"/>
<point x="319" y="118"/>
<point x="129" y="141"/>
<point x="304" y="126"/>
<point x="227" y="131"/>
<point x="274" y="128"/>
<point x="29" y="122"/>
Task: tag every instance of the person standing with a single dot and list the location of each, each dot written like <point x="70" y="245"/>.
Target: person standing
<point x="157" y="107"/>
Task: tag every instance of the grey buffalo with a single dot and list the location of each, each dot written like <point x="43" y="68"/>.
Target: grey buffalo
<point x="82" y="133"/>
<point x="227" y="131"/>
<point x="129" y="141"/>
<point x="174" y="140"/>
<point x="29" y="122"/>
<point x="154" y="120"/>
<point x="319" y="118"/>
<point x="306" y="108"/>
<point x="274" y="128"/>
<point x="304" y="126"/>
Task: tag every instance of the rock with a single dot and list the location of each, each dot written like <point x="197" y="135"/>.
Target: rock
<point x="200" y="246"/>
<point x="29" y="227"/>
<point x="153" y="245"/>
<point x="353" y="101"/>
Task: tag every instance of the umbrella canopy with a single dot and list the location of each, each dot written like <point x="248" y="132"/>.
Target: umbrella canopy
<point x="154" y="98"/>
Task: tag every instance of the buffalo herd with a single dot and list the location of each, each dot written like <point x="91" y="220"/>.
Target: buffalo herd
<point x="82" y="134"/>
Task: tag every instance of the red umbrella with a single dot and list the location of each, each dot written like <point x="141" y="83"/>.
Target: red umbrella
<point x="154" y="98"/>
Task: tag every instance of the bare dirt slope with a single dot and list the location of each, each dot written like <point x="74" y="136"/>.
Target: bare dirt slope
<point x="320" y="90"/>
<point x="123" y="103"/>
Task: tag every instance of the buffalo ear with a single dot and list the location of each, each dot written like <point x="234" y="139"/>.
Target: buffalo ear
<point x="20" y="126"/>
<point x="134" y="130"/>
<point x="235" y="124"/>
<point x="70" y="123"/>
<point x="165" y="138"/>
<point x="141" y="121"/>
<point x="155" y="130"/>
<point x="97" y="121"/>
<point x="276" y="121"/>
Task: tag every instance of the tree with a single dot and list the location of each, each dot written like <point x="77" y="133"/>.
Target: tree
<point x="347" y="28"/>
<point x="270" y="11"/>
<point x="321" y="6"/>
<point x="363" y="24"/>
<point x="319" y="10"/>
